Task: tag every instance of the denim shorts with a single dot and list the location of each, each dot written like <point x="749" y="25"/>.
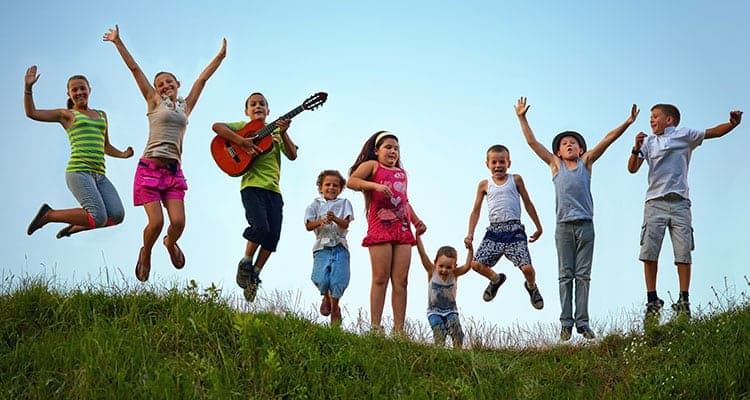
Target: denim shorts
<point x="331" y="270"/>
<point x="673" y="212"/>
<point x="437" y="320"/>
<point x="157" y="182"/>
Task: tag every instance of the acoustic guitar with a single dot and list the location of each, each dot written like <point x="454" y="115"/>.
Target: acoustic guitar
<point x="235" y="161"/>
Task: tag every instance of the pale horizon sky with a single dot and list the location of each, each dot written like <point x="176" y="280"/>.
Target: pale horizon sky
<point x="444" y="77"/>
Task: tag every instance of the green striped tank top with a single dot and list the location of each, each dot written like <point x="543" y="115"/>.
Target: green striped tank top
<point x="86" y="137"/>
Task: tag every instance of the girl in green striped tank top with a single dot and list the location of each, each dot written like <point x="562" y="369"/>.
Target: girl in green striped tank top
<point x="84" y="175"/>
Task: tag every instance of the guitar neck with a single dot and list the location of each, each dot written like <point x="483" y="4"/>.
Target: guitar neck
<point x="268" y="129"/>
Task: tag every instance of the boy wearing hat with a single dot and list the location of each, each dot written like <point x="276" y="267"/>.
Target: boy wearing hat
<point x="571" y="166"/>
<point x="667" y="153"/>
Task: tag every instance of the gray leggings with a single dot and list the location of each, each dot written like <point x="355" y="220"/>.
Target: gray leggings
<point x="97" y="196"/>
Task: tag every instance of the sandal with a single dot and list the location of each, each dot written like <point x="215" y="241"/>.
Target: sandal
<point x="175" y="254"/>
<point x="65" y="232"/>
<point x="37" y="223"/>
<point x="142" y="268"/>
<point x="325" y="306"/>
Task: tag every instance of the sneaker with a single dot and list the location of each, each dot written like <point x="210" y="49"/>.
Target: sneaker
<point x="536" y="298"/>
<point x="244" y="272"/>
<point x="565" y="333"/>
<point x="491" y="291"/>
<point x="252" y="287"/>
<point x="681" y="307"/>
<point x="586" y="332"/>
<point x="653" y="308"/>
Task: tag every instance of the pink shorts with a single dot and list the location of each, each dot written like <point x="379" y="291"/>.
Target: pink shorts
<point x="157" y="182"/>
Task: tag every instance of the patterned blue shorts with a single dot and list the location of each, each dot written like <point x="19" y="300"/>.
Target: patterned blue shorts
<point x="504" y="239"/>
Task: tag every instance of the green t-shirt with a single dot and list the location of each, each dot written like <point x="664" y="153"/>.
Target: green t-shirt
<point x="265" y="172"/>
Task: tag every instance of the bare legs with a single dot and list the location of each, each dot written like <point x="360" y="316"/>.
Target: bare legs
<point x="390" y="262"/>
<point x="176" y="213"/>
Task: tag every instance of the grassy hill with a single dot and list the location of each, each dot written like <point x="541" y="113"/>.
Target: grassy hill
<point x="190" y="343"/>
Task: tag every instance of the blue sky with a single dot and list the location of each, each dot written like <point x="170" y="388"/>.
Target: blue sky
<point x="442" y="75"/>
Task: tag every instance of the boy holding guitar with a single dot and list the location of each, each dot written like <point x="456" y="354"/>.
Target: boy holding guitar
<point x="261" y="194"/>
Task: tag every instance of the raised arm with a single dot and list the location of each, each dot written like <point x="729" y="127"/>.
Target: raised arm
<point x="426" y="262"/>
<point x="200" y="83"/>
<point x="475" y="210"/>
<point x="111" y="150"/>
<point x="148" y="91"/>
<point x="469" y="258"/>
<point x="735" y="117"/>
<point x="64" y="117"/>
<point x="634" y="162"/>
<point x="538" y="148"/>
<point x="592" y="155"/>
<point x="529" y="206"/>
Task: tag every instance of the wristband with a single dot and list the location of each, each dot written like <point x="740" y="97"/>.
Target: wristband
<point x="635" y="152"/>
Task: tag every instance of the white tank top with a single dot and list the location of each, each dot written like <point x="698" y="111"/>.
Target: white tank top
<point x="503" y="201"/>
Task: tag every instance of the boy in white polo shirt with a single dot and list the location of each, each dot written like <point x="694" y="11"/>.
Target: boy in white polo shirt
<point x="667" y="153"/>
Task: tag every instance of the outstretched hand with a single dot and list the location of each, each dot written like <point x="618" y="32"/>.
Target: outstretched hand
<point x="521" y="107"/>
<point x="112" y="35"/>
<point x="633" y="114"/>
<point x="31" y="77"/>
<point x="735" y="117"/>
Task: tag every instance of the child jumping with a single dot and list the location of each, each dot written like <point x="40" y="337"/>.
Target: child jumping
<point x="89" y="142"/>
<point x="329" y="216"/>
<point x="506" y="234"/>
<point x="571" y="166"/>
<point x="260" y="190"/>
<point x="158" y="177"/>
<point x="378" y="174"/>
<point x="668" y="153"/>
<point x="442" y="281"/>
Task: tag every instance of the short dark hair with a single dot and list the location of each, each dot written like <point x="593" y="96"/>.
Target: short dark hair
<point x="669" y="110"/>
<point x="253" y="94"/>
<point x="498" y="148"/>
<point x="447" y="251"/>
<point x="331" y="172"/>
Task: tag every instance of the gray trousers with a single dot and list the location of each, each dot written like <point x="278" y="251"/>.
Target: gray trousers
<point x="575" y="249"/>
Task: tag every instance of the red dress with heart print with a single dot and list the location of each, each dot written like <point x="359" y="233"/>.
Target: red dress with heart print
<point x="388" y="217"/>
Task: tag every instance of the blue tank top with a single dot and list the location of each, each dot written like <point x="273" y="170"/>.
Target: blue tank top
<point x="441" y="296"/>
<point x="573" y="193"/>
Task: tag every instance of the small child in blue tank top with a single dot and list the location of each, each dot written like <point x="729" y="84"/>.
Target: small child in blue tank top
<point x="506" y="234"/>
<point x="571" y="166"/>
<point x="442" y="282"/>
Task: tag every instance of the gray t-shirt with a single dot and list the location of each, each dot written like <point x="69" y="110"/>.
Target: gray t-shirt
<point x="668" y="158"/>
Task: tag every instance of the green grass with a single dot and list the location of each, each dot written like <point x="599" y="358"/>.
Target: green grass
<point x="181" y="343"/>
